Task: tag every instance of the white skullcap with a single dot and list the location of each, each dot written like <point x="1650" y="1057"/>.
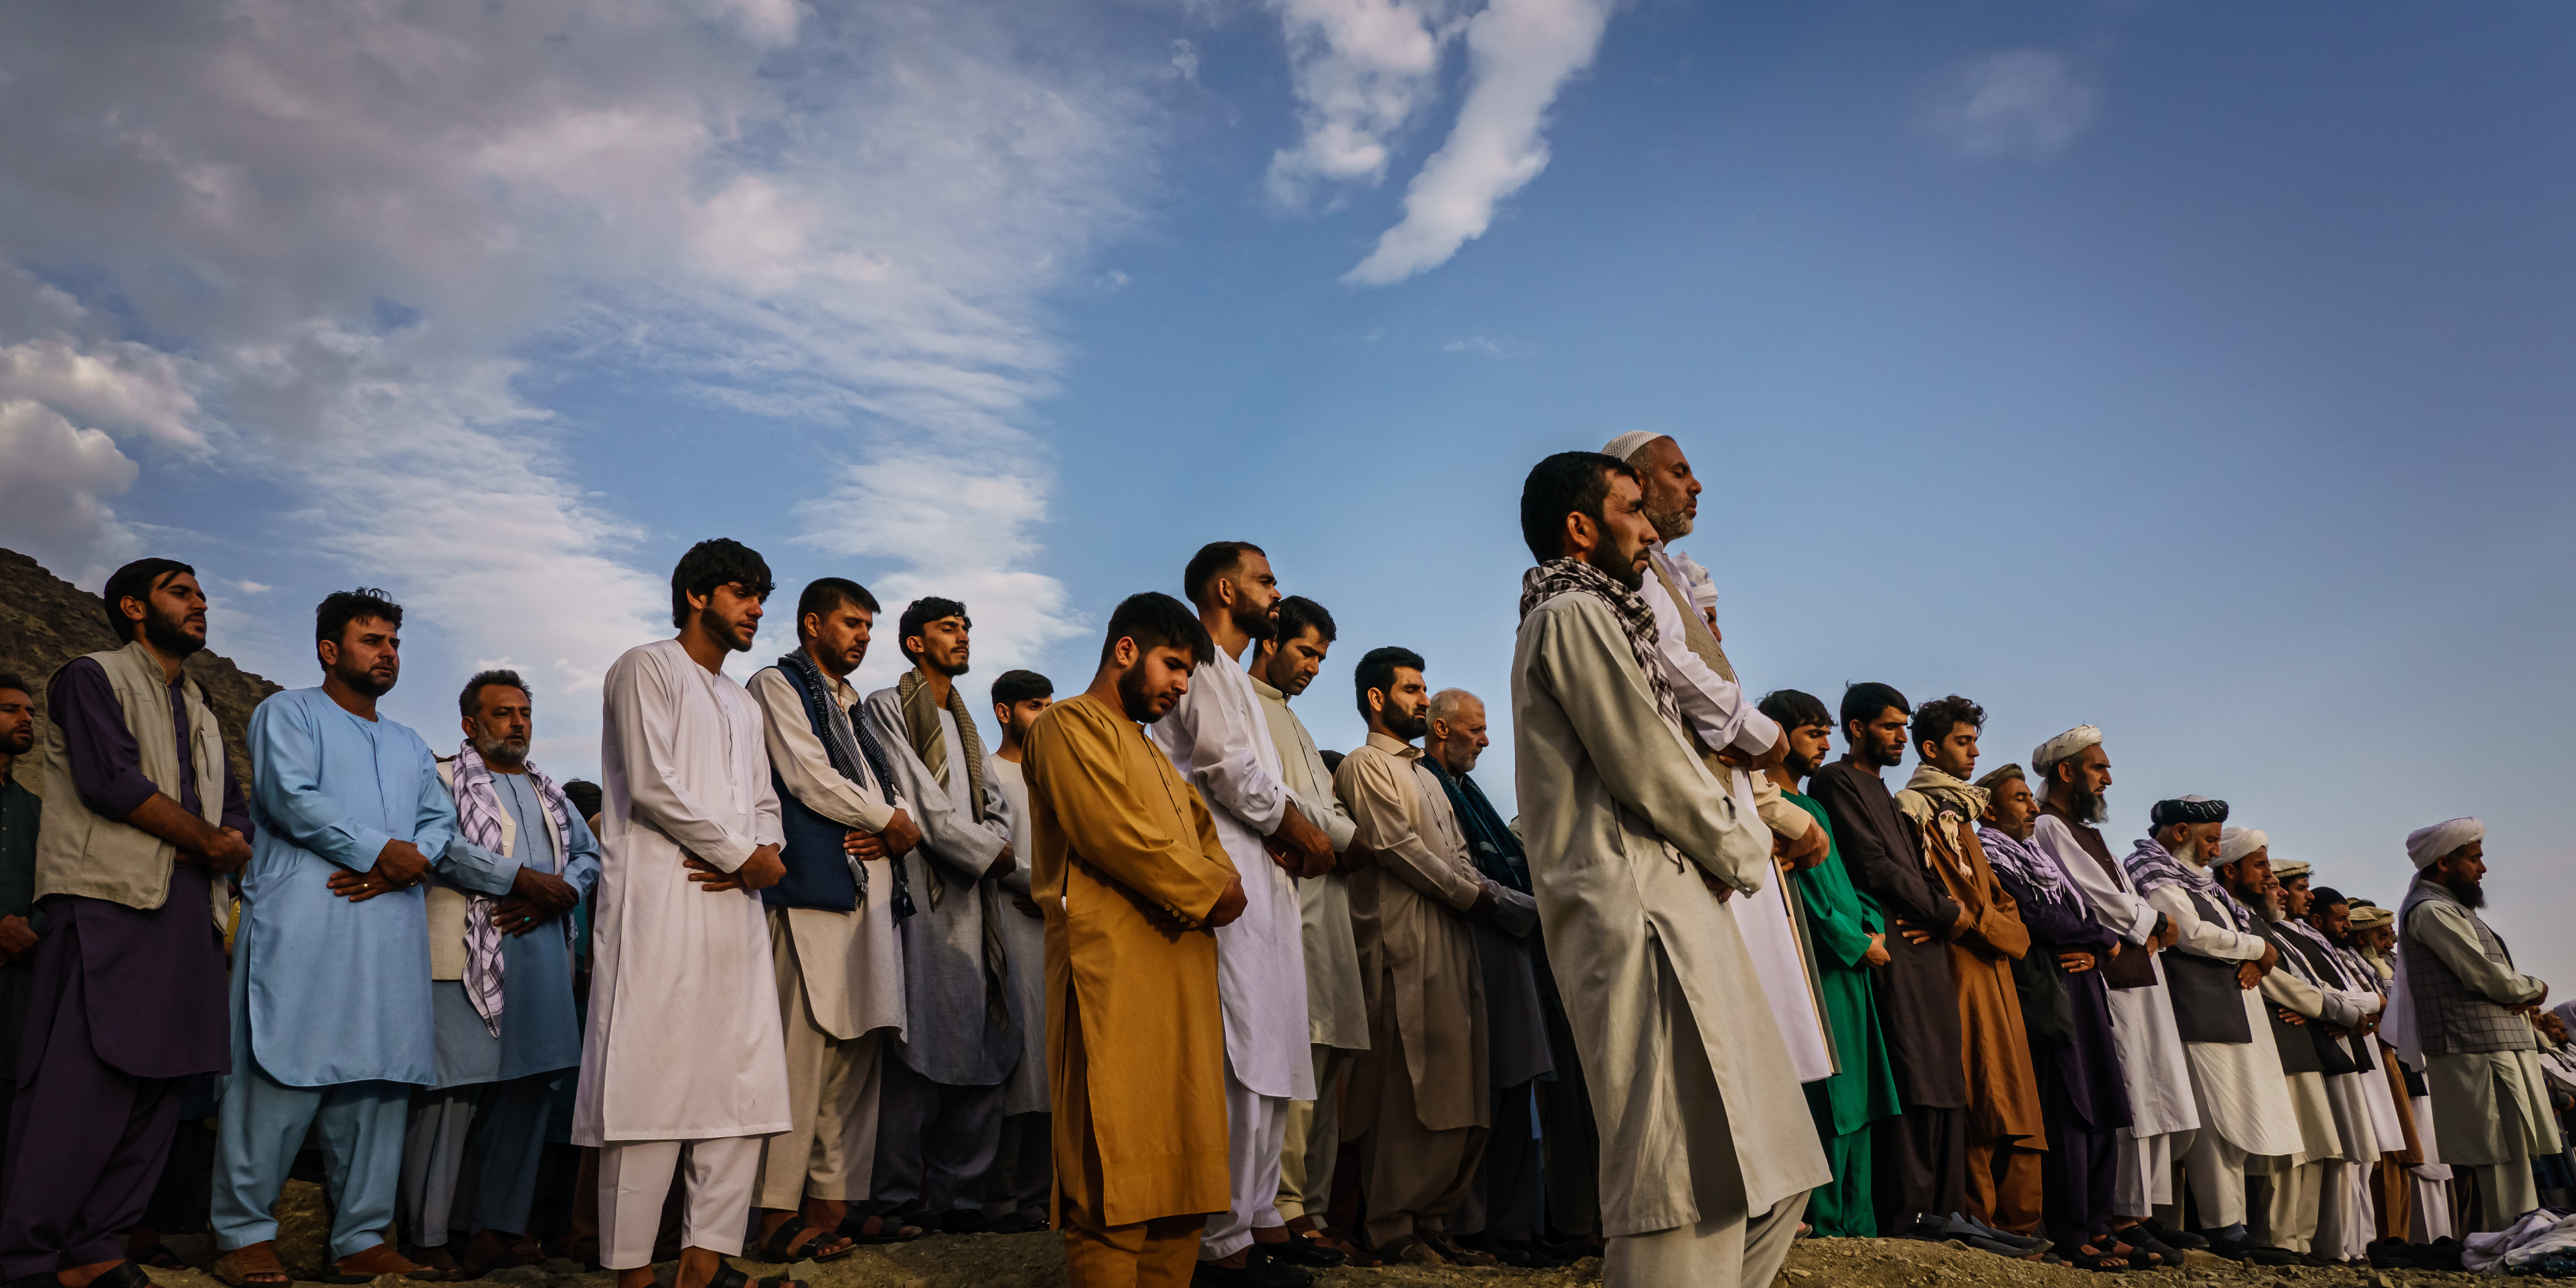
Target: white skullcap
<point x="2062" y="746"/>
<point x="2236" y="842"/>
<point x="1628" y="444"/>
<point x="2426" y="844"/>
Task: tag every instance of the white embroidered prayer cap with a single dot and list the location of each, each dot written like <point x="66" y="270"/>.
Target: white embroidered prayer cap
<point x="2062" y="746"/>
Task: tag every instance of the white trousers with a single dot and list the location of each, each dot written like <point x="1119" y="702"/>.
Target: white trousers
<point x="2146" y="1166"/>
<point x="2217" y="1173"/>
<point x="635" y="1176"/>
<point x="2347" y="1220"/>
<point x="2429" y="1215"/>
<point x="2290" y="1215"/>
<point x="1255" y="1127"/>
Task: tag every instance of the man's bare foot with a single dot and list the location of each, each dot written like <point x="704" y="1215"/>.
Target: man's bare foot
<point x="80" y="1276"/>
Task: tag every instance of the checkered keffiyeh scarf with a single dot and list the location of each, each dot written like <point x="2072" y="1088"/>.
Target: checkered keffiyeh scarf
<point x="1575" y="577"/>
<point x="478" y="816"/>
<point x="2152" y="867"/>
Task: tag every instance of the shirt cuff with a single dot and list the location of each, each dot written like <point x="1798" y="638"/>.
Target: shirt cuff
<point x="370" y="845"/>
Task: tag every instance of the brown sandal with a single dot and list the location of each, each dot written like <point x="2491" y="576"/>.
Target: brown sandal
<point x="252" y="1263"/>
<point x="364" y="1267"/>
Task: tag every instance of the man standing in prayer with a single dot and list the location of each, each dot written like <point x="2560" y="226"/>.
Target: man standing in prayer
<point x="1501" y="1211"/>
<point x="20" y="812"/>
<point x="1420" y="1099"/>
<point x="939" y="1120"/>
<point x="1336" y="1006"/>
<point x="1016" y="1198"/>
<point x="331" y="1012"/>
<point x="2067" y="1015"/>
<point x="500" y="955"/>
<point x="2074" y="773"/>
<point x="2283" y="1208"/>
<point x="684" y="1066"/>
<point x="2006" y="1133"/>
<point x="2245" y="1107"/>
<point x="1220" y="743"/>
<point x="140" y="820"/>
<point x="2467" y="1023"/>
<point x="2339" y="1029"/>
<point x="1706" y="1157"/>
<point x="1851" y="940"/>
<point x="835" y="951"/>
<point x="1921" y="1156"/>
<point x="2402" y="1186"/>
<point x="1727" y="730"/>
<point x="1131" y="876"/>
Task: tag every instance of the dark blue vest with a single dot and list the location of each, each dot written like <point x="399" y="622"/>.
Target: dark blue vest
<point x="818" y="870"/>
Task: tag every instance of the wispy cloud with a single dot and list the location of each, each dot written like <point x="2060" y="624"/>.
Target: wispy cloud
<point x="1361" y="69"/>
<point x="2013" y="105"/>
<point x="1520" y="55"/>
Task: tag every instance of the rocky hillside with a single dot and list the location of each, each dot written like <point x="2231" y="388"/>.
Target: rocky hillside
<point x="46" y="621"/>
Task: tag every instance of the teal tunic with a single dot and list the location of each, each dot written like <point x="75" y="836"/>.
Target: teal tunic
<point x="1840" y="920"/>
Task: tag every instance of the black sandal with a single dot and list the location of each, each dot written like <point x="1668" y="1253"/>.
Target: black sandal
<point x="158" y="1256"/>
<point x="888" y="1230"/>
<point x="779" y="1246"/>
<point x="2085" y="1259"/>
<point x="729" y="1275"/>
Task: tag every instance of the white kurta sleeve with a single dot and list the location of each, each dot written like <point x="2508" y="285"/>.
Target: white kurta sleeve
<point x="643" y="698"/>
<point x="1714" y="706"/>
<point x="1210" y="740"/>
<point x="802" y="763"/>
<point x="2114" y="904"/>
<point x="2203" y="938"/>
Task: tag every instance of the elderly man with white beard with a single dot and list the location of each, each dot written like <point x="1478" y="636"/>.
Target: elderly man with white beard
<point x="2339" y="1028"/>
<point x="2466" y="1021"/>
<point x="2245" y="1107"/>
<point x="1707" y="1151"/>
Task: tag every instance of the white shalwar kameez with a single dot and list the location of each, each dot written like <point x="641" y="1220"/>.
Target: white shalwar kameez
<point x="2163" y="1117"/>
<point x="2245" y="1106"/>
<point x="683" y="1065"/>
<point x="1220" y="742"/>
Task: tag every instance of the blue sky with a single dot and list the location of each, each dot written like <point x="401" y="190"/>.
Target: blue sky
<point x="2196" y="371"/>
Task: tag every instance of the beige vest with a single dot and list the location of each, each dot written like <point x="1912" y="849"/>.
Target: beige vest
<point x="447" y="904"/>
<point x="86" y="853"/>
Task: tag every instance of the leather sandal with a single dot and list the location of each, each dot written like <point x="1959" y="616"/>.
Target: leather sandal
<point x="382" y="1259"/>
<point x="729" y="1275"/>
<point x="783" y="1245"/>
<point x="252" y="1264"/>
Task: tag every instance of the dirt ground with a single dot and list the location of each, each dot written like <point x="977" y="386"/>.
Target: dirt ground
<point x="1037" y="1261"/>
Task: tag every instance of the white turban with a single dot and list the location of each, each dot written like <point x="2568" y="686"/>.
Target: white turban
<point x="2062" y="746"/>
<point x="2236" y="842"/>
<point x="1628" y="444"/>
<point x="2427" y="844"/>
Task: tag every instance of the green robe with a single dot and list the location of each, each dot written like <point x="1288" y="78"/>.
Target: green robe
<point x="1840" y="920"/>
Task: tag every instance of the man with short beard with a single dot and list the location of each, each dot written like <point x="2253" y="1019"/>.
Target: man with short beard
<point x="939" y="1115"/>
<point x="1336" y="1005"/>
<point x="501" y="997"/>
<point x="2468" y="1023"/>
<point x="2218" y="961"/>
<point x="833" y="917"/>
<point x="2286" y="1207"/>
<point x="1015" y="1198"/>
<point x="1922" y="1155"/>
<point x="20" y="811"/>
<point x="1220" y="742"/>
<point x="2341" y="1029"/>
<point x="684" y="1065"/>
<point x="2074" y="772"/>
<point x="1419" y="1099"/>
<point x="1500" y="1213"/>
<point x="141" y="818"/>
<point x="332" y="1017"/>
<point x="1635" y="848"/>
<point x="1127" y="868"/>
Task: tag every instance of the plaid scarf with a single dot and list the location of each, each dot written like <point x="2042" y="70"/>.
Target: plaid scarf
<point x="2031" y="868"/>
<point x="848" y="743"/>
<point x="1575" y="577"/>
<point x="2151" y="867"/>
<point x="478" y="816"/>
<point x="921" y="727"/>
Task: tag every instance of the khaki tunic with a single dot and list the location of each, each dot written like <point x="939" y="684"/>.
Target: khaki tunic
<point x="1418" y="953"/>
<point x="1117" y="831"/>
<point x="1621" y="818"/>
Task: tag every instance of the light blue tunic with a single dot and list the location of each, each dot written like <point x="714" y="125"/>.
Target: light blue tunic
<point x="540" y="1028"/>
<point x="334" y="991"/>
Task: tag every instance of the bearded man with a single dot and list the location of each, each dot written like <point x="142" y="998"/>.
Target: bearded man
<point x="940" y="1099"/>
<point x="1016" y="1200"/>
<point x="141" y="820"/>
<point x="1220" y="742"/>
<point x="2006" y="1133"/>
<point x="2074" y="773"/>
<point x="1707" y="1153"/>
<point x="2245" y="1107"/>
<point x="2300" y="1013"/>
<point x="501" y="963"/>
<point x="2468" y="1023"/>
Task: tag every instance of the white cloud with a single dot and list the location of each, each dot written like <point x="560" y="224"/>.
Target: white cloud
<point x="1520" y="55"/>
<point x="1360" y="69"/>
<point x="330" y="236"/>
<point x="2014" y="105"/>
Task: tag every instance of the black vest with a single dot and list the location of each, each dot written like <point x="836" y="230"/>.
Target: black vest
<point x="2298" y="1043"/>
<point x="2208" y="1006"/>
<point x="818" y="870"/>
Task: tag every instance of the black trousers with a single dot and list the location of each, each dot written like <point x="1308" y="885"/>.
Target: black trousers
<point x="1505" y="1203"/>
<point x="1922" y="1161"/>
<point x="935" y="1142"/>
